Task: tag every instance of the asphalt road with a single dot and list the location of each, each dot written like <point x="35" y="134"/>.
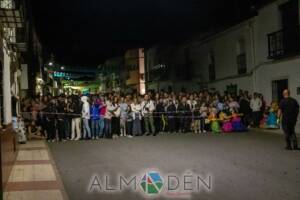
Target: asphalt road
<point x="244" y="166"/>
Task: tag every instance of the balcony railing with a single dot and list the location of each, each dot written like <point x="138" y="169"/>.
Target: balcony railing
<point x="11" y="13"/>
<point x="283" y="43"/>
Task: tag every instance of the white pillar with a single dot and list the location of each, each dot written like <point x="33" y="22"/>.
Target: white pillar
<point x="6" y="88"/>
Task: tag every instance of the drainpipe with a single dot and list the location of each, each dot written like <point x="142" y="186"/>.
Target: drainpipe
<point x="252" y="36"/>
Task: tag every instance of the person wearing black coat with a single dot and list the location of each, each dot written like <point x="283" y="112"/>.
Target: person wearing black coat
<point x="245" y="110"/>
<point x="288" y="111"/>
<point x="50" y="118"/>
<point x="171" y="111"/>
<point x="184" y="110"/>
<point x="159" y="114"/>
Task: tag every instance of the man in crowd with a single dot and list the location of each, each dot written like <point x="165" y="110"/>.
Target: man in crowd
<point x="255" y="105"/>
<point x="289" y="110"/>
<point x="147" y="111"/>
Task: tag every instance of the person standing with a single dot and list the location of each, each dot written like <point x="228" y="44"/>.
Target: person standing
<point x="75" y="110"/>
<point x="245" y="109"/>
<point x="95" y="116"/>
<point x="85" y="113"/>
<point x="255" y="105"/>
<point x="185" y="115"/>
<point x="61" y="119"/>
<point x="107" y="119"/>
<point x="288" y="111"/>
<point x="171" y="111"/>
<point x="115" y="120"/>
<point x="102" y="111"/>
<point x="136" y="117"/>
<point x="123" y="116"/>
<point x="51" y="121"/>
<point x="148" y="108"/>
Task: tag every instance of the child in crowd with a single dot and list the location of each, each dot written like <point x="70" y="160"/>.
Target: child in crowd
<point x="203" y="117"/>
<point x="214" y="123"/>
<point x="226" y="122"/>
<point x="236" y="121"/>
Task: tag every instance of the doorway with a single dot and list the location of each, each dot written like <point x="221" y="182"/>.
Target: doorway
<point x="277" y="88"/>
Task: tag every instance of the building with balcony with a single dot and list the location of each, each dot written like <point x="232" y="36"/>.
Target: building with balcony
<point x="12" y="46"/>
<point x="259" y="54"/>
<point x="20" y="63"/>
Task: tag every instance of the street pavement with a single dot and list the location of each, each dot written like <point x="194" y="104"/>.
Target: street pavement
<point x="251" y="165"/>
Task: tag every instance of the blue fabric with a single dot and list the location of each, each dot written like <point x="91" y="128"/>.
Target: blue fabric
<point x="272" y="120"/>
<point x="238" y="126"/>
<point x="95" y="112"/>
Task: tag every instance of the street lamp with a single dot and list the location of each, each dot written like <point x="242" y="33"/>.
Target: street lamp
<point x="50" y="64"/>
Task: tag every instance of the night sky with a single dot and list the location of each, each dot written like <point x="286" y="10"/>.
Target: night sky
<point x="87" y="32"/>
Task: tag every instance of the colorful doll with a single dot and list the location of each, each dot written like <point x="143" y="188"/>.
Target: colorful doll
<point x="263" y="121"/>
<point x="227" y="126"/>
<point x="237" y="124"/>
<point x="214" y="123"/>
<point x="272" y="120"/>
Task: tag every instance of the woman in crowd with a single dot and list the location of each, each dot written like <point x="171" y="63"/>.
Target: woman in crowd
<point x="136" y="109"/>
<point x="115" y="120"/>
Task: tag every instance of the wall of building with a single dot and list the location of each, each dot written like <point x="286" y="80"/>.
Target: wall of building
<point x="224" y="46"/>
<point x="243" y="83"/>
<point x="267" y="21"/>
<point x="284" y="69"/>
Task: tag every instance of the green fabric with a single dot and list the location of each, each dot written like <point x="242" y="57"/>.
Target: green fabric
<point x="215" y="127"/>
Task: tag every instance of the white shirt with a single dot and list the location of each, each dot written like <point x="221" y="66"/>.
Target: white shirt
<point x="86" y="111"/>
<point x="255" y="104"/>
<point x="147" y="107"/>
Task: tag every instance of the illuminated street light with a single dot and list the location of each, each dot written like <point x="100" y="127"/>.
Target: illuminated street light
<point x="50" y="63"/>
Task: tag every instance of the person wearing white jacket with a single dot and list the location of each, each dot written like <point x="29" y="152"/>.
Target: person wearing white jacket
<point x="85" y="114"/>
<point x="255" y="105"/>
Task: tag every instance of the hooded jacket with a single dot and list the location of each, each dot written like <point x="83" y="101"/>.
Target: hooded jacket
<point x="85" y="113"/>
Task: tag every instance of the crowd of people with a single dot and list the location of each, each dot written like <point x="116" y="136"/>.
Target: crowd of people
<point x="114" y="115"/>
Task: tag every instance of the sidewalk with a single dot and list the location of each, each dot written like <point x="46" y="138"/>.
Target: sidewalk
<point x="34" y="175"/>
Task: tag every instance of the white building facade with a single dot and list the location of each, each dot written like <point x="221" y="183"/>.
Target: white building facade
<point x="260" y="54"/>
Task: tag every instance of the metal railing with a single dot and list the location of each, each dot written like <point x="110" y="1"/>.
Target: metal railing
<point x="281" y="44"/>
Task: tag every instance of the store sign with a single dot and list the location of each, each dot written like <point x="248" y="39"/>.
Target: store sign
<point x="61" y="74"/>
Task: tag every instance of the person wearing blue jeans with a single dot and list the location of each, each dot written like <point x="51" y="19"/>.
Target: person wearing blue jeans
<point x="101" y="126"/>
<point x="95" y="119"/>
<point x="102" y="111"/>
<point x="85" y="113"/>
<point x="86" y="129"/>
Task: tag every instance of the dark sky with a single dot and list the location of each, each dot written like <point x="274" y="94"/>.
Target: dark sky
<point x="86" y="32"/>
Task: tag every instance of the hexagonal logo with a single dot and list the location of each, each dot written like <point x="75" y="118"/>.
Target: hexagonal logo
<point x="152" y="183"/>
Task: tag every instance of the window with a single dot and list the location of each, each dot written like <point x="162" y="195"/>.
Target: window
<point x="211" y="67"/>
